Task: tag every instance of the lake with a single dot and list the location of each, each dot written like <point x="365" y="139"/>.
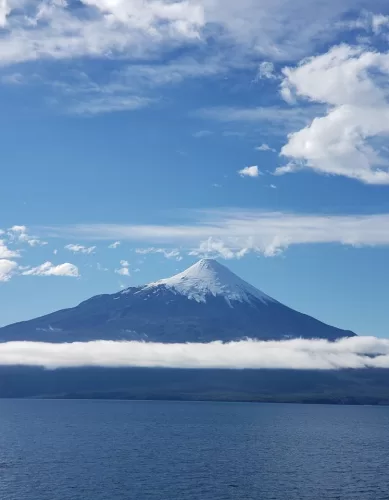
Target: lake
<point x="121" y="450"/>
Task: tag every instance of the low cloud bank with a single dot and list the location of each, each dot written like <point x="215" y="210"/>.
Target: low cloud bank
<point x="357" y="352"/>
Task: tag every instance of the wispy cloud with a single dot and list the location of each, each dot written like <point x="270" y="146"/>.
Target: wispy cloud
<point x="49" y="269"/>
<point x="281" y="119"/>
<point x="80" y="249"/>
<point x="299" y="354"/>
<point x="99" y="267"/>
<point x="20" y="234"/>
<point x="143" y="38"/>
<point x="266" y="71"/>
<point x="109" y="104"/>
<point x="168" y="253"/>
<point x="265" y="147"/>
<point x="263" y="232"/>
<point x="114" y="245"/>
<point x="201" y="133"/>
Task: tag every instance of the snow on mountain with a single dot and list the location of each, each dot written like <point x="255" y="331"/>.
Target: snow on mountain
<point x="209" y="278"/>
<point x="204" y="303"/>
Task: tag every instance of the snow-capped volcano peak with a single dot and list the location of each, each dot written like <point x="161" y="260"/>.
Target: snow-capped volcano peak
<point x="210" y="278"/>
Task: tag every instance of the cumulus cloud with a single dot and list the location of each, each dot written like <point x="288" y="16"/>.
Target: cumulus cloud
<point x="7" y="269"/>
<point x="18" y="229"/>
<point x="264" y="232"/>
<point x="123" y="271"/>
<point x="281" y="29"/>
<point x="7" y="253"/>
<point x="157" y="33"/>
<point x="299" y="354"/>
<point x="348" y="140"/>
<point x="49" y="269"/>
<point x="213" y="248"/>
<point x="114" y="245"/>
<point x="80" y="249"/>
<point x="52" y="30"/>
<point x="249" y="171"/>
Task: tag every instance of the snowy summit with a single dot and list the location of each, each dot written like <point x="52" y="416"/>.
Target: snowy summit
<point x="207" y="277"/>
<point x="204" y="303"/>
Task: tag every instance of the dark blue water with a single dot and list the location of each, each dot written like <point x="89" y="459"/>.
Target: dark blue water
<point x="118" y="450"/>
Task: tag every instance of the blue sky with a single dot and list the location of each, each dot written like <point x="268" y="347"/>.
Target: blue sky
<point x="254" y="133"/>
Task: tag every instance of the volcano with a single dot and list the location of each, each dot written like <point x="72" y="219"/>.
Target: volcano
<point x="204" y="303"/>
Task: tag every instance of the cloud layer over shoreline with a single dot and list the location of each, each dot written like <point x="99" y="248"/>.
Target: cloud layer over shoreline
<point x="300" y="354"/>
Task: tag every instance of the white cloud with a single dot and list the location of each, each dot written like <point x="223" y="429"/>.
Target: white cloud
<point x="217" y="248"/>
<point x="348" y="140"/>
<point x="202" y="133"/>
<point x="249" y="171"/>
<point x="263" y="232"/>
<point x="109" y="104"/>
<point x="4" y="11"/>
<point x="130" y="87"/>
<point x="80" y="249"/>
<point x="266" y="71"/>
<point x="273" y="186"/>
<point x="379" y="22"/>
<point x="280" y="29"/>
<point x="143" y="37"/>
<point x="265" y="147"/>
<point x="278" y="119"/>
<point x="18" y="229"/>
<point x="7" y="253"/>
<point x="114" y="245"/>
<point x="7" y="269"/>
<point x="49" y="269"/>
<point x="97" y="29"/>
<point x="299" y="354"/>
<point x="20" y="234"/>
<point x="172" y="253"/>
<point x="123" y="271"/>
<point x="33" y="242"/>
<point x="99" y="267"/>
